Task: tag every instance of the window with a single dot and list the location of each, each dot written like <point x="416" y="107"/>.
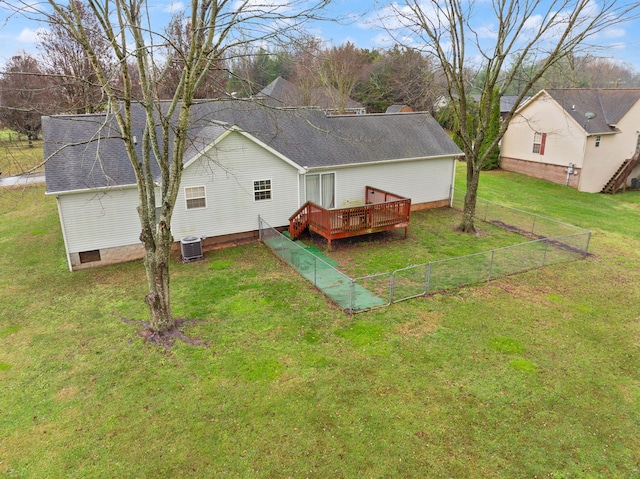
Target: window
<point x="89" y="256"/>
<point x="321" y="189"/>
<point x="539" y="140"/>
<point x="597" y="141"/>
<point x="196" y="197"/>
<point x="262" y="190"/>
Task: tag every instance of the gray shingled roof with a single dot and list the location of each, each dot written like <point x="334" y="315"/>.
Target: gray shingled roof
<point x="283" y="93"/>
<point x="87" y="153"/>
<point x="609" y="106"/>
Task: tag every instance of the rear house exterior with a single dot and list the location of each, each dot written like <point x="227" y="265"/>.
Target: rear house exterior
<point x="243" y="161"/>
<point x="585" y="138"/>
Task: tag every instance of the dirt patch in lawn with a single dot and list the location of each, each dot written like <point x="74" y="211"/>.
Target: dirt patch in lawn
<point x="168" y="338"/>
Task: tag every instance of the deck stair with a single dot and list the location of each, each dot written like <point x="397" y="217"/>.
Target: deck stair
<point x="619" y="179"/>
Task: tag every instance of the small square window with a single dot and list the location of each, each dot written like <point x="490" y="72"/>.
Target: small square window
<point x="196" y="197"/>
<point x="262" y="190"/>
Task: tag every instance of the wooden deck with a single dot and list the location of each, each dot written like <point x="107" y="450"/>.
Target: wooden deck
<point x="382" y="211"/>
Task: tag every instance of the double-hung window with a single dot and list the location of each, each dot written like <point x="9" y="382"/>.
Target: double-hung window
<point x="261" y="190"/>
<point x="598" y="138"/>
<point x="539" y="140"/>
<point x="196" y="197"/>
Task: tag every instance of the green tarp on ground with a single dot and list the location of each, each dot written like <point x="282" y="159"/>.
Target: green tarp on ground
<point x="314" y="265"/>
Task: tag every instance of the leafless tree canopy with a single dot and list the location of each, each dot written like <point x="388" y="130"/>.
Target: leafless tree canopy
<point x="136" y="65"/>
<point x="26" y="93"/>
<point x="523" y="31"/>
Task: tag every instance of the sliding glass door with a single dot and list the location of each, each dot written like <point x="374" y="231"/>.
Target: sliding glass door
<point x="321" y="189"/>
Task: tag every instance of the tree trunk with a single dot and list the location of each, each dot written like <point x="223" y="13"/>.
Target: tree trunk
<point x="469" y="212"/>
<point x="158" y="298"/>
<point x="156" y="260"/>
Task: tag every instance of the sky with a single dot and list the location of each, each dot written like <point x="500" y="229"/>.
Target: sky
<point x="359" y="22"/>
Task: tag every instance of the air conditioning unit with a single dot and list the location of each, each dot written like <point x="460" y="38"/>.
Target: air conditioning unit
<point x="191" y="247"/>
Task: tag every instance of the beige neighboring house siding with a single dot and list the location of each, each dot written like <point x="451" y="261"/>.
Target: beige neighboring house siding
<point x="602" y="163"/>
<point x="564" y="142"/>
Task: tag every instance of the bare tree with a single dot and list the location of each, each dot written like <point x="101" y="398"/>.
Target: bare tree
<point x="169" y="71"/>
<point x="26" y="93"/>
<point x="403" y="75"/>
<point x="588" y="71"/>
<point x="68" y="64"/>
<point x="340" y="69"/>
<point x="522" y="30"/>
<point x="214" y="26"/>
<point x="304" y="75"/>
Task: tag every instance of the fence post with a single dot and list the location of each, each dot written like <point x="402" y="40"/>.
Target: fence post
<point x="486" y="210"/>
<point x="315" y="270"/>
<point x="351" y="296"/>
<point x="533" y="226"/>
<point x="259" y="228"/>
<point x="586" y="250"/>
<point x="427" y="283"/>
<point x="493" y="253"/>
<point x="391" y="286"/>
<point x="544" y="257"/>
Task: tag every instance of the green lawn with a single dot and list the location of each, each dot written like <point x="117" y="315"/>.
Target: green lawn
<point x="535" y="375"/>
<point x="17" y="155"/>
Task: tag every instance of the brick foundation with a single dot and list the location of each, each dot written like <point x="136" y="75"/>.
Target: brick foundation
<point x="544" y="171"/>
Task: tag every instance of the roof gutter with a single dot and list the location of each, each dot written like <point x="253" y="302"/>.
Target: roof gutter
<point x="91" y="190"/>
<point x="383" y="162"/>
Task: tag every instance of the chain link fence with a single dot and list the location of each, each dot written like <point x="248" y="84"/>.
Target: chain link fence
<point x="552" y="242"/>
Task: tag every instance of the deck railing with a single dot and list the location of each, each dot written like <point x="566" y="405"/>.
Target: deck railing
<point x="382" y="211"/>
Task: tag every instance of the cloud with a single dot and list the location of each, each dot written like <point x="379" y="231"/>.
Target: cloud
<point x="614" y="33"/>
<point x="174" y="7"/>
<point x="29" y="35"/>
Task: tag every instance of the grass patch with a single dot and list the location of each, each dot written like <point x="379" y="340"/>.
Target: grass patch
<point x="432" y="237"/>
<point x="532" y="375"/>
<point x="17" y="155"/>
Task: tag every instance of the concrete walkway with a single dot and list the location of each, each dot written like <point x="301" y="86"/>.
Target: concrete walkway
<point x="22" y="180"/>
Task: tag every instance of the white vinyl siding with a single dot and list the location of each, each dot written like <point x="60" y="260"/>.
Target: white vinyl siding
<point x="229" y="176"/>
<point x="97" y="220"/>
<point x="423" y="181"/>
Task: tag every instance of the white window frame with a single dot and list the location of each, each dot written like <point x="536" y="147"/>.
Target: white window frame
<point x="259" y="187"/>
<point x="189" y="196"/>
<point x="537" y="142"/>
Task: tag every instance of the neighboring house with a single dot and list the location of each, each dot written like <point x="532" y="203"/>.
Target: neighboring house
<point x="507" y="102"/>
<point x="283" y="93"/>
<point x="243" y="161"/>
<point x="584" y="138"/>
